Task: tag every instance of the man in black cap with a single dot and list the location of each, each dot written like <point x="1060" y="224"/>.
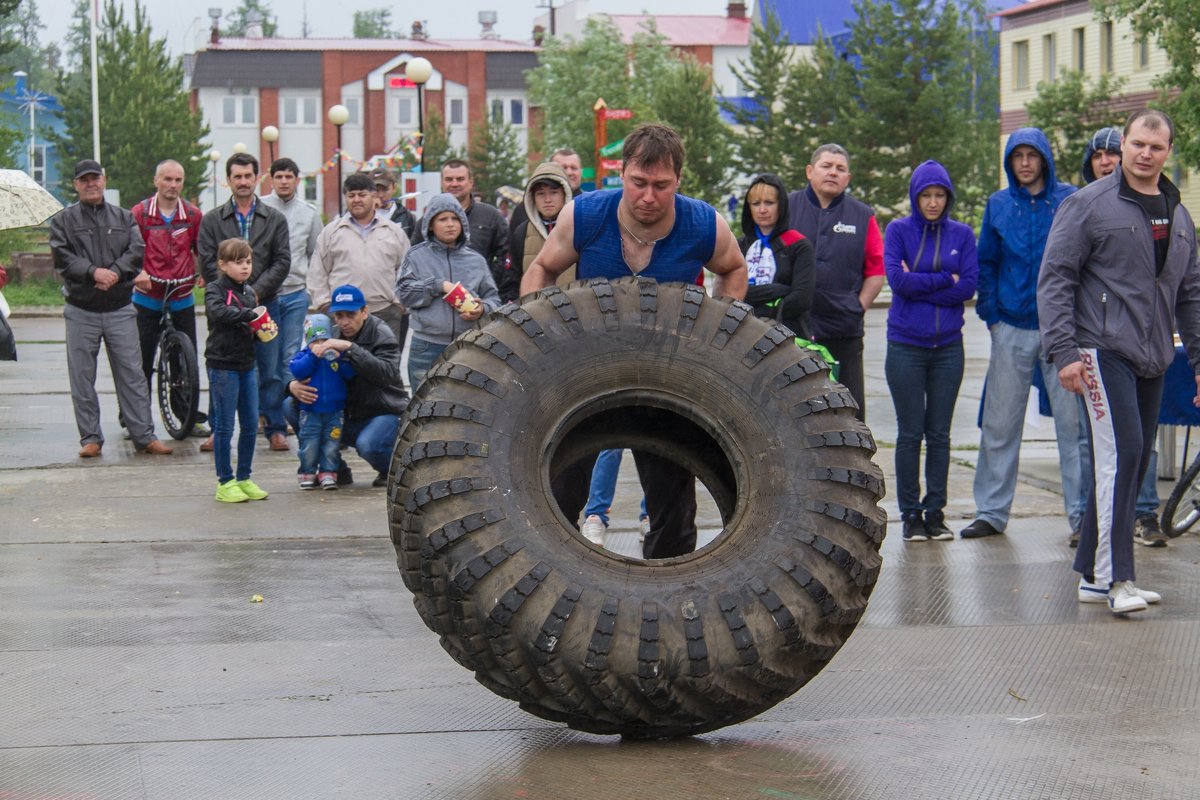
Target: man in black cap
<point x="389" y="208"/>
<point x="97" y="250"/>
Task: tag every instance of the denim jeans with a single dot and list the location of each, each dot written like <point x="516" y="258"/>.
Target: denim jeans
<point x="422" y="355"/>
<point x="292" y="309"/>
<point x="373" y="438"/>
<point x="604" y="486"/>
<point x="230" y="392"/>
<point x="268" y="357"/>
<point x="924" y="384"/>
<point x="320" y="436"/>
<point x="1006" y="394"/>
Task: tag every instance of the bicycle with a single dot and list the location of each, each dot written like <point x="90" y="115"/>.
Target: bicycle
<point x="175" y="367"/>
<point x="1182" y="510"/>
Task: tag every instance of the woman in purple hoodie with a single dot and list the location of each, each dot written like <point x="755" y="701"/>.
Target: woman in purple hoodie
<point x="931" y="267"/>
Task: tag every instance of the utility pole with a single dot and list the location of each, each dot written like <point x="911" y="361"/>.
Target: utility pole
<point x="95" y="84"/>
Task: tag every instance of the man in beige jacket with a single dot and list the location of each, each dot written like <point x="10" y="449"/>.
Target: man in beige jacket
<point x="359" y="248"/>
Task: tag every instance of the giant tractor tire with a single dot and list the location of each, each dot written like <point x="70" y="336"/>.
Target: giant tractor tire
<point x="602" y="642"/>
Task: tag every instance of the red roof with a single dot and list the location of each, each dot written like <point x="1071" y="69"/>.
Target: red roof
<point x="390" y="45"/>
<point x="1032" y="5"/>
<point x="684" y="30"/>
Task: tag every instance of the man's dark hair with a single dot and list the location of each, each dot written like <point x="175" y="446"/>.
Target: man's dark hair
<point x="356" y="182"/>
<point x="1153" y="119"/>
<point x="240" y="160"/>
<point x="458" y="162"/>
<point x="285" y="165"/>
<point x="653" y="145"/>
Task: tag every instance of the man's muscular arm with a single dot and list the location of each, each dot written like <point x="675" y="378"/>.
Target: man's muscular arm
<point x="728" y="265"/>
<point x="556" y="254"/>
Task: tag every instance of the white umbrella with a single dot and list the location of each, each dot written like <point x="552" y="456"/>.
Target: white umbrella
<point x="23" y="202"/>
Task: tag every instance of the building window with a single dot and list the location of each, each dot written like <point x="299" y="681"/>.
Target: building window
<point x="239" y="108"/>
<point x="1078" y="40"/>
<point x="300" y="111"/>
<point x="1021" y="65"/>
<point x="457" y="111"/>
<point x="1049" y="59"/>
<point x="352" y="105"/>
<point x="516" y="112"/>
<point x="507" y="108"/>
<point x="1106" y="46"/>
<point x="1141" y="53"/>
<point x="310" y="190"/>
<point x="497" y="110"/>
<point x="404" y="111"/>
<point x="39" y="164"/>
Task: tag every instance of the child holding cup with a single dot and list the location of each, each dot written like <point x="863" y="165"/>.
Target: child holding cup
<point x="444" y="284"/>
<point x="234" y="320"/>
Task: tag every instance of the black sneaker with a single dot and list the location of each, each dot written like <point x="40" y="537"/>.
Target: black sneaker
<point x="1073" y="541"/>
<point x="380" y="480"/>
<point x="1147" y="532"/>
<point x="978" y="529"/>
<point x="935" y="526"/>
<point x="914" y="530"/>
<point x="344" y="476"/>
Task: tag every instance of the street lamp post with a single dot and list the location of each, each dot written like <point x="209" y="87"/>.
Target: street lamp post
<point x="270" y="135"/>
<point x="338" y="115"/>
<point x="214" y="156"/>
<point x="419" y="70"/>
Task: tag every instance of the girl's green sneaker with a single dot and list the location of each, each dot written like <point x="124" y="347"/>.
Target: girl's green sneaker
<point x="251" y="490"/>
<point x="231" y="492"/>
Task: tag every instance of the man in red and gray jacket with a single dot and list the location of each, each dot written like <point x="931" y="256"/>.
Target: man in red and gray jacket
<point x="170" y="226"/>
<point x="849" y="248"/>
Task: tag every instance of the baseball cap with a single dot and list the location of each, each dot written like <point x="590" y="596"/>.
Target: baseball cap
<point x="382" y="175"/>
<point x="87" y="167"/>
<point x="347" y="298"/>
<point x="316" y="327"/>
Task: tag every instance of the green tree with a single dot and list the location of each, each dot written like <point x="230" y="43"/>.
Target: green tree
<point x="1172" y="24"/>
<point x="236" y="20"/>
<point x="495" y="156"/>
<point x="924" y="87"/>
<point x="374" y="23"/>
<point x="685" y="102"/>
<point x="764" y="76"/>
<point x="22" y="49"/>
<point x="1069" y="111"/>
<point x="437" y="147"/>
<point x="145" y="113"/>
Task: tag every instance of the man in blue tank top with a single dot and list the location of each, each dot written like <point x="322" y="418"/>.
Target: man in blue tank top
<point x="650" y="230"/>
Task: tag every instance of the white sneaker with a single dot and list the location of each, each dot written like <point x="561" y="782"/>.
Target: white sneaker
<point x="593" y="530"/>
<point x="643" y="528"/>
<point x="1094" y="593"/>
<point x="1123" y="598"/>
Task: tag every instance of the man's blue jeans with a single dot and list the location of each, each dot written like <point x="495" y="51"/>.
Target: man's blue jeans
<point x="924" y="384"/>
<point x="604" y="486"/>
<point x="422" y="355"/>
<point x="293" y="308"/>
<point x="373" y="438"/>
<point x="1006" y="395"/>
<point x="268" y="357"/>
<point x="230" y="392"/>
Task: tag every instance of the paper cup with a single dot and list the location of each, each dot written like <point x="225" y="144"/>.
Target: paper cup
<point x="464" y="301"/>
<point x="263" y="326"/>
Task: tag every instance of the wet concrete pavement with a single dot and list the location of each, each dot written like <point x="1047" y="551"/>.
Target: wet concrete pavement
<point x="134" y="665"/>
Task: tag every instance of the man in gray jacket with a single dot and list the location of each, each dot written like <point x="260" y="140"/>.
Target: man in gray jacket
<point x="97" y="251"/>
<point x="1118" y="273"/>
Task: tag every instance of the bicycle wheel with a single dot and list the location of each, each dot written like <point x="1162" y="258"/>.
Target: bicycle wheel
<point x="178" y="384"/>
<point x="1182" y="510"/>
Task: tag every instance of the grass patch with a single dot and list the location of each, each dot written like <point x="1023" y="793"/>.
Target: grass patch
<point x="34" y="292"/>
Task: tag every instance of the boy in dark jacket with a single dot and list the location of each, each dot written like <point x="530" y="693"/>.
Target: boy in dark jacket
<point x="321" y="421"/>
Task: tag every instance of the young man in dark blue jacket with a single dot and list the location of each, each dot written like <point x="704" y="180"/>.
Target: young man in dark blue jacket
<point x="1016" y="222"/>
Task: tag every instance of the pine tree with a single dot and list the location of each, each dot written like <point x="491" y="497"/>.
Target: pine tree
<point x="437" y="149"/>
<point x="236" y="20"/>
<point x="495" y="156"/>
<point x="145" y="114"/>
<point x="764" y="77"/>
<point x="685" y="102"/>
<point x="374" y="23"/>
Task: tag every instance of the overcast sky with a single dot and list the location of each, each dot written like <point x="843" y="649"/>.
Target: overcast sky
<point x="178" y="20"/>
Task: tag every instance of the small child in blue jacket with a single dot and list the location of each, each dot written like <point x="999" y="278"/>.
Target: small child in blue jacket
<point x="321" y="422"/>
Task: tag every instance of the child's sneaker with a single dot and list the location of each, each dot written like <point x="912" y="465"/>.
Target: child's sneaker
<point x="307" y="480"/>
<point x="252" y="490"/>
<point x="230" y="492"/>
<point x="328" y="480"/>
